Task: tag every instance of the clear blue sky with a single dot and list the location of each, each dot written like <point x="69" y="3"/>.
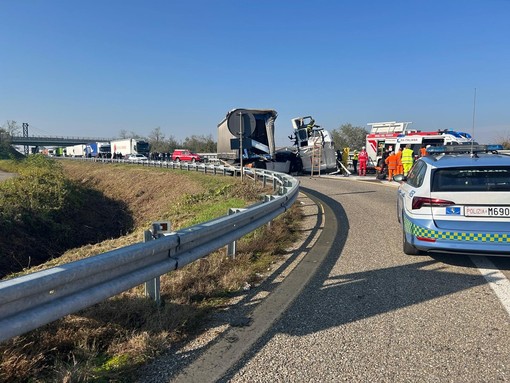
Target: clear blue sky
<point x="93" y="68"/>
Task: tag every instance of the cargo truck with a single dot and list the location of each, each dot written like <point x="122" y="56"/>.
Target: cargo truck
<point x="125" y="147"/>
<point x="98" y="150"/>
<point x="255" y="127"/>
<point x="75" y="151"/>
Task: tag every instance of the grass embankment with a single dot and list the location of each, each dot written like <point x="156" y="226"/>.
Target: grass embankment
<point x="107" y="342"/>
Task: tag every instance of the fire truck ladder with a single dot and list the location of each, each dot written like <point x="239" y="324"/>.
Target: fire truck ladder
<point x="316" y="158"/>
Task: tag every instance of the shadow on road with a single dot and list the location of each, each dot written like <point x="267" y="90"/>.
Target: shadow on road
<point x="352" y="297"/>
<point x="464" y="260"/>
<point x="330" y="301"/>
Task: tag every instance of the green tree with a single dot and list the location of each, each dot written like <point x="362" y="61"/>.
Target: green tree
<point x="350" y="136"/>
<point x="157" y="141"/>
<point x="172" y="144"/>
<point x="200" y="144"/>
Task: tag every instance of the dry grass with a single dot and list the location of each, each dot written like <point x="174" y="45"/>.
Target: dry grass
<point x="109" y="341"/>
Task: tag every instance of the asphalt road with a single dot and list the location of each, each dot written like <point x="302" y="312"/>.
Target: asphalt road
<point x="369" y="313"/>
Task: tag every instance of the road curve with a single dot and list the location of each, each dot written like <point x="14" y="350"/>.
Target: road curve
<point x="365" y="312"/>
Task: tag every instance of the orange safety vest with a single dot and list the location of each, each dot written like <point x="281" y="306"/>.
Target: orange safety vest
<point x="423" y="152"/>
<point x="399" y="157"/>
<point x="391" y="161"/>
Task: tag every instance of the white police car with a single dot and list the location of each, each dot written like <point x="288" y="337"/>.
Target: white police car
<point x="456" y="199"/>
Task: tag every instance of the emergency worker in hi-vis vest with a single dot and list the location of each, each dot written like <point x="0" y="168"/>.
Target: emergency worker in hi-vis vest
<point x="407" y="158"/>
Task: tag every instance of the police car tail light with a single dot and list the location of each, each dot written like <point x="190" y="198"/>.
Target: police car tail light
<point x="419" y="202"/>
<point x="426" y="239"/>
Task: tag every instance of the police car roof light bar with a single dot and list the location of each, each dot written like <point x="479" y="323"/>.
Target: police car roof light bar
<point x="450" y="149"/>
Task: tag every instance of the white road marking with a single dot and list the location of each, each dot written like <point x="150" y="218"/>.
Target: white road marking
<point x="496" y="279"/>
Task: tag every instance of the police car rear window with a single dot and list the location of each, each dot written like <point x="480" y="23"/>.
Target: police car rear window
<point x="473" y="179"/>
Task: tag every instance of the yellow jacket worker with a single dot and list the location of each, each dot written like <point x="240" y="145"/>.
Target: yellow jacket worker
<point x="345" y="156"/>
<point x="407" y="158"/>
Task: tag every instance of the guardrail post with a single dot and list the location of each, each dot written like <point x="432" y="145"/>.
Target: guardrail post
<point x="153" y="287"/>
<point x="267" y="198"/>
<point x="232" y="247"/>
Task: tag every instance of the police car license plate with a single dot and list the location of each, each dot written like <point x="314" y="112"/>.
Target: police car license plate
<point x="487" y="211"/>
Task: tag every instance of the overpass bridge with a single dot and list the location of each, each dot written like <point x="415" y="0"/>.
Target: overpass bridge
<point x="54" y="141"/>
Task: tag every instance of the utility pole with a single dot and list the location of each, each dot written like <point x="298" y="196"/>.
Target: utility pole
<point x="241" y="133"/>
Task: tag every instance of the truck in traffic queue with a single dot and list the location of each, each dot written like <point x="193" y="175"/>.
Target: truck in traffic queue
<point x="125" y="147"/>
<point x="394" y="135"/>
<point x="75" y="151"/>
<point x="98" y="150"/>
<point x="59" y="152"/>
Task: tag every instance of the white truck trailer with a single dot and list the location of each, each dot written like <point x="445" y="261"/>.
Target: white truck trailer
<point x="75" y="151"/>
<point x="127" y="146"/>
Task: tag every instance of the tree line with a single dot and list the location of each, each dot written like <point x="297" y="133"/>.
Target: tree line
<point x="346" y="135"/>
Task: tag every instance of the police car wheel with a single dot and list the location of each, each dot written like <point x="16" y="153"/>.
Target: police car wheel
<point x="407" y="247"/>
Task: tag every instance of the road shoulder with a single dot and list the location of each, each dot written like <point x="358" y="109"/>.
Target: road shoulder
<point x="234" y="330"/>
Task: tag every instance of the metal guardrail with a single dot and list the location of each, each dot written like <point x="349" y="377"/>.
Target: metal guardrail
<point x="32" y="300"/>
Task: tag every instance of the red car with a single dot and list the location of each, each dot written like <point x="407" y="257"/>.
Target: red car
<point x="185" y="155"/>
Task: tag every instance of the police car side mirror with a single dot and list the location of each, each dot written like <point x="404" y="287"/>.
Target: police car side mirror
<point x="400" y="178"/>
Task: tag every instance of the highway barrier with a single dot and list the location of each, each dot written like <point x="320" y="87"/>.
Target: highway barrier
<point x="30" y="301"/>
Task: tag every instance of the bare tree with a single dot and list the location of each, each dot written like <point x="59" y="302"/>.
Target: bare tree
<point x="157" y="140"/>
<point x="11" y="127"/>
<point x="134" y="135"/>
<point x="505" y="142"/>
<point x="156" y="135"/>
<point x="7" y="130"/>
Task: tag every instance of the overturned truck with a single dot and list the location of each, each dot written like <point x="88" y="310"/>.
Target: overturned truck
<point x="250" y="133"/>
<point x="314" y="146"/>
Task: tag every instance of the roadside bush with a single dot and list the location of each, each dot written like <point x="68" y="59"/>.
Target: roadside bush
<point x="40" y="189"/>
<point x="43" y="213"/>
<point x="30" y="203"/>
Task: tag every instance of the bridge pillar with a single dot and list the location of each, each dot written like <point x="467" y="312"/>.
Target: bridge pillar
<point x="25" y="135"/>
